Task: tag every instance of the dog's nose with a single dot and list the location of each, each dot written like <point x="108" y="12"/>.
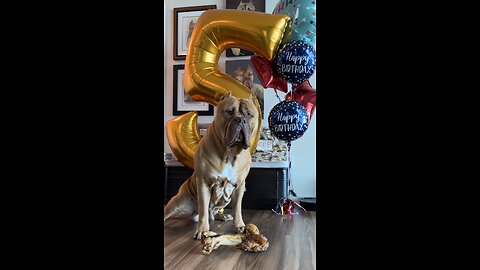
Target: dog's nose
<point x="240" y="120"/>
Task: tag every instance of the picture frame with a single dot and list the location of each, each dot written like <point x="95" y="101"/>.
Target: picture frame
<point x="249" y="5"/>
<point x="184" y="19"/>
<point x="244" y="72"/>
<point x="182" y="103"/>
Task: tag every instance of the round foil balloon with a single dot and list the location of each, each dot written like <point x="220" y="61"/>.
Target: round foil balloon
<point x="296" y="62"/>
<point x="288" y="120"/>
<point x="304" y="18"/>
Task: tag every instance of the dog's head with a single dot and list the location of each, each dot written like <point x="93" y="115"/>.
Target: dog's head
<point x="237" y="119"/>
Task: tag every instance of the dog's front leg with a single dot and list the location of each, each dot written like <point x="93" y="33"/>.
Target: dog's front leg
<point x="204" y="193"/>
<point x="237" y="208"/>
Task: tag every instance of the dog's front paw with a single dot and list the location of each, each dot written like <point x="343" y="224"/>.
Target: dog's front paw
<point x="202" y="228"/>
<point x="239" y="225"/>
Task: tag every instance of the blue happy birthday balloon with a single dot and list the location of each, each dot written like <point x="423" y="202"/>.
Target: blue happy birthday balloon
<point x="288" y="120"/>
<point x="296" y="62"/>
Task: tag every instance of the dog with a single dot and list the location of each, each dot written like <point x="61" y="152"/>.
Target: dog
<point x="222" y="162"/>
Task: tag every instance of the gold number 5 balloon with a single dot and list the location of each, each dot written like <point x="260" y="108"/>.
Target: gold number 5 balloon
<point x="215" y="31"/>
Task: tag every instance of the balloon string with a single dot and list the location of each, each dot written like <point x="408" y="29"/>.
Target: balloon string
<point x="294" y="86"/>
<point x="289" y="170"/>
<point x="276" y="93"/>
<point x="279" y="209"/>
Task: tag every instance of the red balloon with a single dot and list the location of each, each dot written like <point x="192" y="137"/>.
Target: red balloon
<point x="267" y="75"/>
<point x="305" y="95"/>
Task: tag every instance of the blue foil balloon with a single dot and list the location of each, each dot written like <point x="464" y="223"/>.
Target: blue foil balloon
<point x="296" y="62"/>
<point x="304" y="18"/>
<point x="288" y="120"/>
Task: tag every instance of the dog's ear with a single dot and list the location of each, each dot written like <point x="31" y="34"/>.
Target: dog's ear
<point x="228" y="94"/>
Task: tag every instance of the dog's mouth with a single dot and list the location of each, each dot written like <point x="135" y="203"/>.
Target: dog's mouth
<point x="238" y="133"/>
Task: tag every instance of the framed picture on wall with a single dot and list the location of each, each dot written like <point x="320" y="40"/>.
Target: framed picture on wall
<point x="182" y="103"/>
<point x="244" y="72"/>
<point x="249" y="5"/>
<point x="184" y="20"/>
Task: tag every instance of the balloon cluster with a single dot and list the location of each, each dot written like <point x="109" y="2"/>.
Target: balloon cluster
<point x="294" y="63"/>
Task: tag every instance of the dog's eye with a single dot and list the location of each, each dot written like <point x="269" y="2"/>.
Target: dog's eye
<point x="231" y="112"/>
<point x="249" y="114"/>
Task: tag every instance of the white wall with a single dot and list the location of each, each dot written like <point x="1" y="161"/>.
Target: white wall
<point x="303" y="149"/>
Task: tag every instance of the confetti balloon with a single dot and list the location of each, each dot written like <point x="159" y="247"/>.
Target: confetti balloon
<point x="288" y="120"/>
<point x="296" y="62"/>
<point x="304" y="18"/>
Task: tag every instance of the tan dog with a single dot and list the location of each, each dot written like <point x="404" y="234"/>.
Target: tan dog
<point x="222" y="162"/>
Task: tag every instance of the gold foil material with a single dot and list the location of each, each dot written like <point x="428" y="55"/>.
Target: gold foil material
<point x="183" y="137"/>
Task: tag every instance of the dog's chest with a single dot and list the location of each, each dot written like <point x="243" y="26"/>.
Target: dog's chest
<point x="224" y="185"/>
<point x="228" y="173"/>
<point x="221" y="193"/>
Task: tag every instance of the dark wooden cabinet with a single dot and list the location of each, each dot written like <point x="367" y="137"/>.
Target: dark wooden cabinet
<point x="265" y="186"/>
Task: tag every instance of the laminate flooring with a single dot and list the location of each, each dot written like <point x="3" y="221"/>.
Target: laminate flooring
<point x="292" y="243"/>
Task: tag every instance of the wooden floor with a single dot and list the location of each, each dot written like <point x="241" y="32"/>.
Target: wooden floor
<point x="292" y="244"/>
